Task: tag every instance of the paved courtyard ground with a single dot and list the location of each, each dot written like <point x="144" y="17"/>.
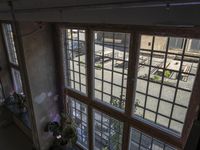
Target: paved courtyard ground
<point x="157" y="103"/>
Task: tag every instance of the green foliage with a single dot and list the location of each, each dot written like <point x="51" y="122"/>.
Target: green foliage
<point x="64" y="133"/>
<point x="115" y="138"/>
<point x="117" y="102"/>
<point x="98" y="66"/>
<point x="81" y="63"/>
<point x="115" y="124"/>
<point x="68" y="129"/>
<point x="18" y="101"/>
<point x="156" y="78"/>
<point x="137" y="102"/>
<point x="52" y="127"/>
<point x="167" y="73"/>
<point x="69" y="133"/>
<point x="105" y="148"/>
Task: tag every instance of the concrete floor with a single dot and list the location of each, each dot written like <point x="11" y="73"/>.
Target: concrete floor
<point x="11" y="137"/>
<point x="167" y="94"/>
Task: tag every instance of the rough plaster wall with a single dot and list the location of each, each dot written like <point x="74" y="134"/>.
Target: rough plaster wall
<point x="5" y="75"/>
<point x="39" y="55"/>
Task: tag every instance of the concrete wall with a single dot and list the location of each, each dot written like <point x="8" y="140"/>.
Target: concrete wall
<point x="4" y="74"/>
<point x="159" y="43"/>
<point x="39" y="57"/>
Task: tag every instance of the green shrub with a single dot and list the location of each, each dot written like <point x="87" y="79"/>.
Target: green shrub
<point x="156" y="78"/>
<point x="167" y="73"/>
<point x="99" y="66"/>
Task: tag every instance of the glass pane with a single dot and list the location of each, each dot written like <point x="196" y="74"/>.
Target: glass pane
<point x="142" y="85"/>
<point x="141" y="141"/>
<point x="160" y="43"/>
<point x="79" y="115"/>
<point x="75" y="59"/>
<point x="10" y="44"/>
<point x="183" y="97"/>
<point x="176" y="44"/>
<point x="111" y="65"/>
<point x="194" y="45"/>
<point x="17" y="81"/>
<point x="107" y="132"/>
<point x="166" y="74"/>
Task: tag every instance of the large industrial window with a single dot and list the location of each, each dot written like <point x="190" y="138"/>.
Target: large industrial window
<point x="13" y="59"/>
<point x="75" y="59"/>
<point x="15" y="71"/>
<point x="111" y="65"/>
<point x="141" y="141"/>
<point x="79" y="114"/>
<point x="108" y="132"/>
<point x="165" y="81"/>
<point x="10" y="44"/>
<point x="137" y="87"/>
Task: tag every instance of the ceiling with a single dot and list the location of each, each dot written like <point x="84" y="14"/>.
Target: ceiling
<point x="138" y="12"/>
<point x="32" y="4"/>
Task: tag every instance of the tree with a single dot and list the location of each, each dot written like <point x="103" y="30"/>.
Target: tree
<point x="115" y="124"/>
<point x="117" y="102"/>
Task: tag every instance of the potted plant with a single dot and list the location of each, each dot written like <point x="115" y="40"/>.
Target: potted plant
<point x="20" y="103"/>
<point x="16" y="102"/>
<point x="64" y="133"/>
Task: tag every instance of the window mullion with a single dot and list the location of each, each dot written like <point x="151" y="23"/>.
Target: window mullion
<point x="193" y="108"/>
<point x="90" y="84"/>
<point x="131" y="84"/>
<point x="132" y="72"/>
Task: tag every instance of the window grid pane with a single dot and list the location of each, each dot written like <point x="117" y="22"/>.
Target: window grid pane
<point x="10" y="44"/>
<point x="111" y="51"/>
<point x="165" y="80"/>
<point x="141" y="141"/>
<point x="79" y="115"/>
<point x="195" y="45"/>
<point x="75" y="54"/>
<point x="16" y="76"/>
<point x="108" y="132"/>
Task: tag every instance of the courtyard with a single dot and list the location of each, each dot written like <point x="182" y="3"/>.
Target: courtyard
<point x="153" y="102"/>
